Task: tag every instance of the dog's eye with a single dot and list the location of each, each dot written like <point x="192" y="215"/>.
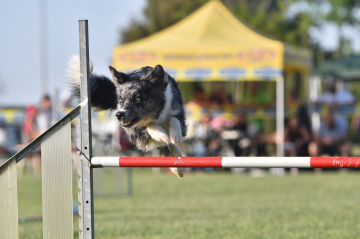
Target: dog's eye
<point x="137" y="98"/>
<point x="121" y="100"/>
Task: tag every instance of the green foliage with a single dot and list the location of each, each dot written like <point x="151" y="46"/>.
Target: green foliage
<point x="340" y="11"/>
<point x="159" y="14"/>
<point x="271" y="22"/>
<point x="267" y="17"/>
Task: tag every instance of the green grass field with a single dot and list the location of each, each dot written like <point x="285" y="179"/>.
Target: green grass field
<point x="218" y="206"/>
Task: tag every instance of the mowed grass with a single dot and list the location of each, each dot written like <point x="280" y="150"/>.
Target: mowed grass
<point x="219" y="206"/>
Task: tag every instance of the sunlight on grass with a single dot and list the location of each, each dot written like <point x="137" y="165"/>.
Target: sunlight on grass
<point x="218" y="206"/>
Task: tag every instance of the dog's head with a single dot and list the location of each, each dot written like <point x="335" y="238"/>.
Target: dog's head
<point x="141" y="95"/>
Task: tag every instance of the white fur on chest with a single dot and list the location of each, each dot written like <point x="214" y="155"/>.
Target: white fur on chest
<point x="166" y="112"/>
<point x="164" y="119"/>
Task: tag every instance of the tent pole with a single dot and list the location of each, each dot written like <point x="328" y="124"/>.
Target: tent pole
<point x="280" y="116"/>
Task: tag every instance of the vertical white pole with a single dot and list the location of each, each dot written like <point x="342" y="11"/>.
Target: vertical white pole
<point x="86" y="196"/>
<point x="280" y="116"/>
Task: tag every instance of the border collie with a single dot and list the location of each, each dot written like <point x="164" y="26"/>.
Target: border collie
<point x="148" y="102"/>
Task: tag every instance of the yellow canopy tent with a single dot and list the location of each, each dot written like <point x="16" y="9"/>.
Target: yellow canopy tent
<point x="212" y="45"/>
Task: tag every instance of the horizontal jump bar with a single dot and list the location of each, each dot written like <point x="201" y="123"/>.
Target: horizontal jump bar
<point x="228" y="162"/>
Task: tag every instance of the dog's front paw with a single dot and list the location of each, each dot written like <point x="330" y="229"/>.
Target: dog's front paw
<point x="178" y="172"/>
<point x="175" y="136"/>
<point x="175" y="131"/>
<point x="158" y="133"/>
<point x="162" y="138"/>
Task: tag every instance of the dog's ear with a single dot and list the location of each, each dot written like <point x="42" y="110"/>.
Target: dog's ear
<point x="156" y="75"/>
<point x="118" y="77"/>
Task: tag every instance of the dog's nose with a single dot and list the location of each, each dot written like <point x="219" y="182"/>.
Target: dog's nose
<point x="120" y="114"/>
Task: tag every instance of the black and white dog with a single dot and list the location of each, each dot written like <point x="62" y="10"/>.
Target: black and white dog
<point x="149" y="104"/>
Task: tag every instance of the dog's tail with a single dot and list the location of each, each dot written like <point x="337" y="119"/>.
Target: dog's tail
<point x="103" y="90"/>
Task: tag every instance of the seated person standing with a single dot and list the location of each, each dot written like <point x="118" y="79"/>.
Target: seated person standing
<point x="331" y="138"/>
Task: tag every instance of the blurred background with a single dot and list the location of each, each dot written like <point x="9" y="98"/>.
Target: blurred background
<point x="229" y="57"/>
<point x="238" y="63"/>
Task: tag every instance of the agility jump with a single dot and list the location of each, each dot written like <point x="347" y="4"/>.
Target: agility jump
<point x="228" y="162"/>
<point x="57" y="170"/>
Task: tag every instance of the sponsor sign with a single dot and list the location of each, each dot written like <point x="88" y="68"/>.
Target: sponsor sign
<point x="137" y="56"/>
<point x="256" y="55"/>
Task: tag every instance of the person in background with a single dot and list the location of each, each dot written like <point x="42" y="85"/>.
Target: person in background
<point x="43" y="119"/>
<point x="3" y="138"/>
<point x="207" y="139"/>
<point x="297" y="138"/>
<point x="246" y="132"/>
<point x="335" y="98"/>
<point x="200" y="98"/>
<point x="219" y="96"/>
<point x="207" y="142"/>
<point x="331" y="138"/>
<point x="256" y="97"/>
<point x="29" y="129"/>
<point x="30" y="132"/>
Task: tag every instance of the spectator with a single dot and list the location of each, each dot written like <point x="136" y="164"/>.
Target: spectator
<point x="245" y="134"/>
<point x="332" y="138"/>
<point x="293" y="100"/>
<point x="219" y="96"/>
<point x="207" y="140"/>
<point x="297" y="138"/>
<point x="3" y="138"/>
<point x="255" y="97"/>
<point x="333" y="97"/>
<point x="43" y="119"/>
<point x="30" y="132"/>
<point x="29" y="129"/>
<point x="200" y="98"/>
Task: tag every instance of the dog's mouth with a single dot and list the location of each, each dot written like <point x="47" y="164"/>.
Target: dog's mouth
<point x="127" y="123"/>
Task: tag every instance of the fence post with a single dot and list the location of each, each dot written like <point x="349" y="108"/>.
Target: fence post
<point x="57" y="195"/>
<point x="86" y="209"/>
<point x="8" y="201"/>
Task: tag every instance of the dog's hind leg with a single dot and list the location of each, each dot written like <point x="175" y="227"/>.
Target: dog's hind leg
<point x="176" y="152"/>
<point x="165" y="151"/>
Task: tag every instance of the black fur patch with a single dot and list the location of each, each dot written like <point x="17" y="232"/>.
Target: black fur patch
<point x="103" y="93"/>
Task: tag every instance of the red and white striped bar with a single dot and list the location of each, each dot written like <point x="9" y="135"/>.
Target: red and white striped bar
<point x="229" y="162"/>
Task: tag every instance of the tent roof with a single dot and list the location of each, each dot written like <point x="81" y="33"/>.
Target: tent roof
<point x="346" y="68"/>
<point x="210" y="44"/>
<point x="211" y="26"/>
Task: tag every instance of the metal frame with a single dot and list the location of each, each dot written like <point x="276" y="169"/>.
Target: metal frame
<point x="8" y="174"/>
<point x="36" y="142"/>
<point x="86" y="196"/>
